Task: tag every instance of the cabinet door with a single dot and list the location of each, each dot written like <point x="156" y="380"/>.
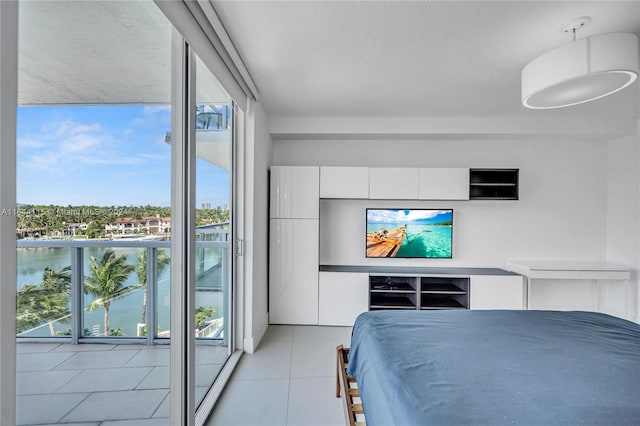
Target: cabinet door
<point x="342" y="297"/>
<point x="344" y="182"/>
<point x="293" y="271"/>
<point x="444" y="184"/>
<point x="497" y="292"/>
<point x="389" y="183"/>
<point x="295" y="192"/>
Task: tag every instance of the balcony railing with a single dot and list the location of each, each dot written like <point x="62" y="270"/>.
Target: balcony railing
<point x="138" y="312"/>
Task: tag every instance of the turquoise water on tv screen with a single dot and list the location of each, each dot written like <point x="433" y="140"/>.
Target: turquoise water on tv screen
<point x="422" y="240"/>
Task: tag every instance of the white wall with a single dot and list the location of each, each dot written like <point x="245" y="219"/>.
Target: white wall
<point x="623" y="221"/>
<point x="259" y="152"/>
<point x="561" y="213"/>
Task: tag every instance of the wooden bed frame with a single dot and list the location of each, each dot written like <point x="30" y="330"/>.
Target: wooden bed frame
<point x="354" y="412"/>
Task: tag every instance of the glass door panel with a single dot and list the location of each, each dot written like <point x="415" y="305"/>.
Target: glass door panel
<point x="93" y="163"/>
<point x="213" y="228"/>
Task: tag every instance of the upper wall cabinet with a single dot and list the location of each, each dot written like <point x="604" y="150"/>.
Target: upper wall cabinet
<point x="344" y="182"/>
<point x="295" y="192"/>
<point x="390" y="183"/>
<point x="444" y="184"/>
<point x="493" y="184"/>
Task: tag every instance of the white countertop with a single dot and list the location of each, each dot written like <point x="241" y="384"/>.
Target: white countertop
<point x="568" y="269"/>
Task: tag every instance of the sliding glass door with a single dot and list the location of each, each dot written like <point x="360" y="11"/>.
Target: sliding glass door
<point x="202" y="318"/>
<point x="213" y="228"/>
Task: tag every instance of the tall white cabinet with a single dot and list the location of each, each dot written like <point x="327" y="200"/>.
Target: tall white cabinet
<point x="294" y="245"/>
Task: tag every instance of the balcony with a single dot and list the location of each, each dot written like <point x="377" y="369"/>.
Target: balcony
<point x="134" y="308"/>
<point x="74" y="370"/>
<point x="60" y="383"/>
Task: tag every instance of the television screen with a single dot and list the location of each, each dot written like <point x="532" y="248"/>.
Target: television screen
<point x="409" y="233"/>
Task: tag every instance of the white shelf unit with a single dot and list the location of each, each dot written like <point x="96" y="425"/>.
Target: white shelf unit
<point x="344" y="295"/>
<point x="294" y="245"/>
<point x="418" y="292"/>
<point x="296" y="295"/>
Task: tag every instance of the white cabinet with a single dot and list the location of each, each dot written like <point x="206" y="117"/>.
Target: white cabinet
<point x="294" y="245"/>
<point x="293" y="272"/>
<point x="497" y="292"/>
<point x="444" y="184"/>
<point x="344" y="182"/>
<point x="390" y="183"/>
<point x="342" y="297"/>
<point x="295" y="192"/>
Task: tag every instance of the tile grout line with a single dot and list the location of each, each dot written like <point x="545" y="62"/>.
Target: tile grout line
<point x="160" y="404"/>
<point x="151" y="369"/>
<point x="74" y="407"/>
<point x="286" y="418"/>
<point x="78" y="372"/>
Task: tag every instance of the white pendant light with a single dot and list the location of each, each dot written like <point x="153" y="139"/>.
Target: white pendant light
<point x="581" y="71"/>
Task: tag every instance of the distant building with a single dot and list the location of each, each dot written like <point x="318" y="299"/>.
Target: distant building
<point x="206" y="206"/>
<point x="74" y="229"/>
<point x="152" y="225"/>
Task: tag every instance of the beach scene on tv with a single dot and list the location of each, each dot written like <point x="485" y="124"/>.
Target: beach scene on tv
<point x="414" y="233"/>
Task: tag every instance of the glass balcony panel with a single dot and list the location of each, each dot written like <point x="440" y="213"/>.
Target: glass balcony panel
<point x="43" y="292"/>
<point x="114" y="296"/>
<point x="163" y="299"/>
<point x="211" y="291"/>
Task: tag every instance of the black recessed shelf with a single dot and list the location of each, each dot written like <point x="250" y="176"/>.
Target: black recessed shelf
<point x="442" y="302"/>
<point x="418" y="292"/>
<point x="493" y="184"/>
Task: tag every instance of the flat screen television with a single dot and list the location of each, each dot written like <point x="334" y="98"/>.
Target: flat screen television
<point x="410" y="233"/>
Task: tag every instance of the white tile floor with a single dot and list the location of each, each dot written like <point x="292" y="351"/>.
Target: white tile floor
<point x="289" y="380"/>
<point x="100" y="384"/>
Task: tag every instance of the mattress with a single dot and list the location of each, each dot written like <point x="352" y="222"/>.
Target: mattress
<point x="496" y="368"/>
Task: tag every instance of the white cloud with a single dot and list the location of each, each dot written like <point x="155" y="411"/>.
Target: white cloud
<point x="398" y="216"/>
<point x="29" y="143"/>
<point x="44" y="162"/>
<point x="80" y="143"/>
<point x="69" y="127"/>
<point x="156" y="109"/>
<point x="151" y="114"/>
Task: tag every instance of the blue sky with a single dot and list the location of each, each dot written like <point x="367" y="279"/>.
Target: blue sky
<point x="103" y="156"/>
<point x="408" y="215"/>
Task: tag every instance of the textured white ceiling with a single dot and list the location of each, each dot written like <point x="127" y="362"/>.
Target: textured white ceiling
<point x="423" y="58"/>
<point x="317" y="58"/>
<point x="98" y="52"/>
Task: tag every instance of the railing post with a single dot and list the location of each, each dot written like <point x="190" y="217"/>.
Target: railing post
<point x="152" y="294"/>
<point x="77" y="279"/>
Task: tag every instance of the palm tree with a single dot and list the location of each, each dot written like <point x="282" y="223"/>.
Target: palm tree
<point x="106" y="282"/>
<point x="141" y="270"/>
<point x="46" y="301"/>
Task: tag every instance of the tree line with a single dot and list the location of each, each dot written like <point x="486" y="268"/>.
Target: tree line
<point x="47" y="219"/>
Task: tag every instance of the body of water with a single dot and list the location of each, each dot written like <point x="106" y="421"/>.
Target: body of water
<point x="422" y="240"/>
<point x="126" y="312"/>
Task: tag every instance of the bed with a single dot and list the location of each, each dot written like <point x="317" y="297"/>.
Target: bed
<point x="493" y="368"/>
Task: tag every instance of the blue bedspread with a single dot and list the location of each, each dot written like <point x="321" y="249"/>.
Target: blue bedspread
<point x="496" y="368"/>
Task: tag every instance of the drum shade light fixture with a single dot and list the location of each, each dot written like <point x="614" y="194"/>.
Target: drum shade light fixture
<point x="581" y="71"/>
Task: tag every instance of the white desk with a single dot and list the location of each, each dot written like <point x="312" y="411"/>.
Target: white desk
<point x="569" y="270"/>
